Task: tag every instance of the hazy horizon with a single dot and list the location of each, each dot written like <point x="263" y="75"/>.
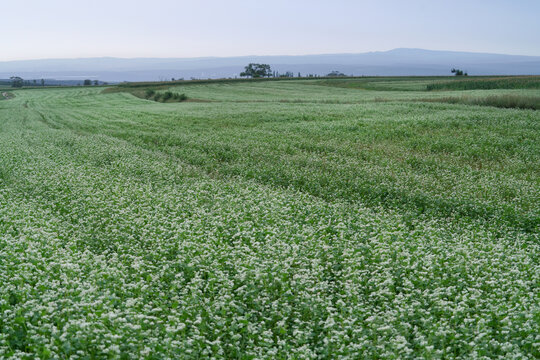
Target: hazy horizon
<point x="397" y="62"/>
<point x="262" y="55"/>
<point x="62" y="29"/>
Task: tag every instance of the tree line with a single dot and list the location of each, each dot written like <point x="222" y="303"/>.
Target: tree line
<point x="254" y="70"/>
<point x="19" y="82"/>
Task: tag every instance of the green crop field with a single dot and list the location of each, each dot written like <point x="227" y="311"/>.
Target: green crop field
<point x="306" y="219"/>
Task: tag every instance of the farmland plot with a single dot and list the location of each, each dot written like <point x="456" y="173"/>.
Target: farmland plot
<point x="271" y="220"/>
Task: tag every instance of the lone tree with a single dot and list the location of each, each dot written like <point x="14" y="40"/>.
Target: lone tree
<point x="257" y="70"/>
<point x="458" y="72"/>
<point x="87" y="82"/>
<point x="16" y="81"/>
<point x="335" y="73"/>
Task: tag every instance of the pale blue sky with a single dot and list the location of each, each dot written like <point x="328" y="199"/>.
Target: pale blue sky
<point x="33" y="29"/>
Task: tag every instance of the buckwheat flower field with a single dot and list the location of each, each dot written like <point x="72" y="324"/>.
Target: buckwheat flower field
<point x="269" y="220"/>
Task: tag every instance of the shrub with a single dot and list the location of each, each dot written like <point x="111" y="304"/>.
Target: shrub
<point x="149" y="93"/>
<point x="180" y="97"/>
<point x="167" y="95"/>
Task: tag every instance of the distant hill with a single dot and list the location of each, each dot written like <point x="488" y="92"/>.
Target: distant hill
<point x="397" y="62"/>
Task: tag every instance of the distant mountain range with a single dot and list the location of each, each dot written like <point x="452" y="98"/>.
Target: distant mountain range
<point x="397" y="62"/>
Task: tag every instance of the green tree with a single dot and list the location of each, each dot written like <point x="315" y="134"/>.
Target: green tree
<point x="458" y="72"/>
<point x="87" y="82"/>
<point x="16" y="81"/>
<point x="287" y="74"/>
<point x="257" y="70"/>
<point x="335" y="73"/>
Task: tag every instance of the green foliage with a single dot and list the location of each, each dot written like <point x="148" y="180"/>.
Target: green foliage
<point x="336" y="73"/>
<point x="149" y="93"/>
<point x="383" y="83"/>
<point x="257" y="70"/>
<point x="280" y="219"/>
<point x="458" y="72"/>
<point x="16" y="82"/>
<point x="167" y="95"/>
<point x="521" y="82"/>
<point x="501" y="101"/>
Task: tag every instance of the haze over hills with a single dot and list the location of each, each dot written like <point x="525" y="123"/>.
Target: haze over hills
<point x="397" y="62"/>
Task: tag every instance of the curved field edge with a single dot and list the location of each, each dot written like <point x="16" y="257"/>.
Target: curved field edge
<point x="381" y="89"/>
